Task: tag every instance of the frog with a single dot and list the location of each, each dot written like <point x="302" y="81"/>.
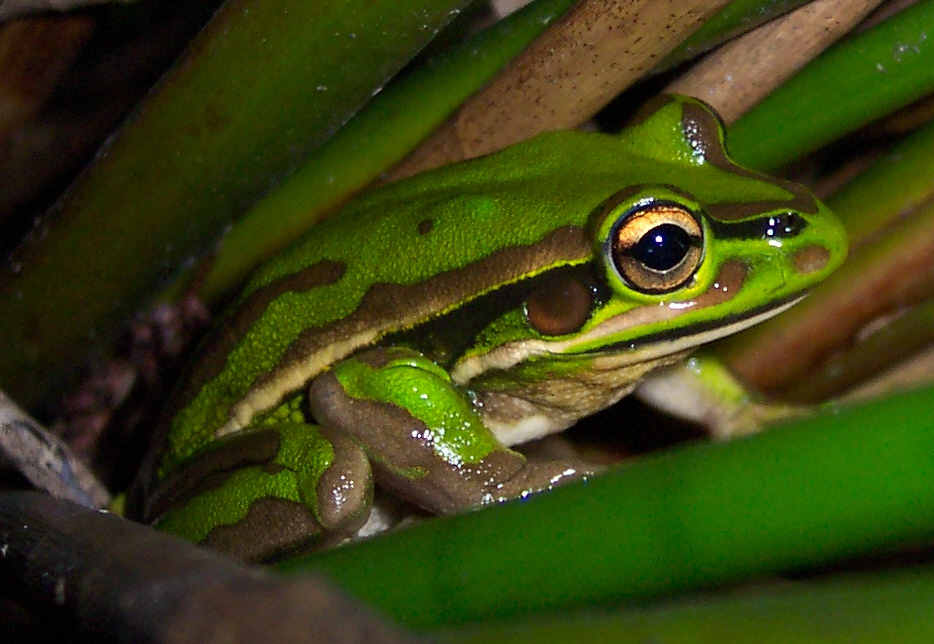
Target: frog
<point x="413" y="340"/>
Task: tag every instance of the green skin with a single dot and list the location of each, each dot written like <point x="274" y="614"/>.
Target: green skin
<point x="414" y="336"/>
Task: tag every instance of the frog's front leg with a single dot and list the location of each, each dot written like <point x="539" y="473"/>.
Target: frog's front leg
<point x="425" y="439"/>
<point x="267" y="490"/>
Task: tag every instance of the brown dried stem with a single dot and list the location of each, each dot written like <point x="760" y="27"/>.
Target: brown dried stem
<point x="588" y="57"/>
<point x="742" y="72"/>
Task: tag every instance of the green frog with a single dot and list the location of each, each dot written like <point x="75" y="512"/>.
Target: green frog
<point x="413" y="338"/>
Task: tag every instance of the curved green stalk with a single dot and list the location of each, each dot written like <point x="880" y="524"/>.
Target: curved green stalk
<point x="849" y="85"/>
<point x="377" y="137"/>
<point x="846" y="482"/>
<point x="736" y="18"/>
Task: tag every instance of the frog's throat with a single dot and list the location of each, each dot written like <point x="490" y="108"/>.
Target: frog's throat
<point x="647" y="349"/>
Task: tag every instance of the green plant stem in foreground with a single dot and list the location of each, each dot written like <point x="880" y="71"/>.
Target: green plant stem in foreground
<point x="845" y="482"/>
<point x="856" y="609"/>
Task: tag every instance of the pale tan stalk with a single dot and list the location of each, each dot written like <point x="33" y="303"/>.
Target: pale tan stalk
<point x="588" y="57"/>
<point x="742" y="72"/>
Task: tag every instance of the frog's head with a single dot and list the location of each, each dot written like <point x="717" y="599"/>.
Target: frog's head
<point x="696" y="249"/>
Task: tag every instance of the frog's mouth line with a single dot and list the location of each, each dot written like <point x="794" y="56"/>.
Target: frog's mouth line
<point x="627" y="352"/>
<point x="700" y="333"/>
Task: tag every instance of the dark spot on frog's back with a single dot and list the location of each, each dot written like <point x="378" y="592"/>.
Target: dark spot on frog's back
<point x="704" y="129"/>
<point x="227" y="336"/>
<point x="425" y="226"/>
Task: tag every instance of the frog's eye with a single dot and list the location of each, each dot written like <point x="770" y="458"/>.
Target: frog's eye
<point x="657" y="247"/>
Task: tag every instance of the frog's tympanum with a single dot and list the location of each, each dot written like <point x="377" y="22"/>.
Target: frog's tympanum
<point x="412" y="338"/>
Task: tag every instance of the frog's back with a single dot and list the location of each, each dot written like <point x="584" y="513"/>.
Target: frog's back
<point x="392" y="260"/>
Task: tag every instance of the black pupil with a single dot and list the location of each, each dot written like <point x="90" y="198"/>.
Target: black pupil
<point x="662" y="248"/>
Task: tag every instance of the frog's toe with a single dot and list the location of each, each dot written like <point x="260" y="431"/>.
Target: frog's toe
<point x="345" y="490"/>
<point x="324" y="506"/>
<point x="535" y="476"/>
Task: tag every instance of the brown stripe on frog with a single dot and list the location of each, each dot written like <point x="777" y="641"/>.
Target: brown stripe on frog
<point x="386" y="308"/>
<point x="231" y="330"/>
<point x="704" y="131"/>
<point x="210" y="470"/>
<point x="425" y="226"/>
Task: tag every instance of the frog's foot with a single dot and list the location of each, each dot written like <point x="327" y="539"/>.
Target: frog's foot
<point x="268" y="491"/>
<point x="425" y="439"/>
<point x="537" y="476"/>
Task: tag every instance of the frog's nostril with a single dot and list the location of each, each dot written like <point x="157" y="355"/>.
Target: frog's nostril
<point x="811" y="259"/>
